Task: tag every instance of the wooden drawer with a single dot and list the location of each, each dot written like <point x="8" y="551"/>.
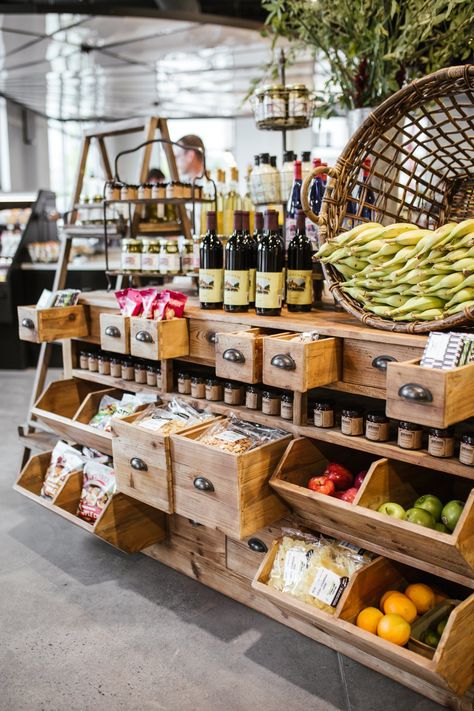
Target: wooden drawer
<point x="203" y="336"/>
<point x="158" y="340"/>
<point x="293" y="365"/>
<point x="224" y="490"/>
<point x="124" y="523"/>
<point x="81" y="430"/>
<point x="244" y="557"/>
<point x="448" y="667"/>
<point x="115" y="333"/>
<point x="437" y="398"/>
<point x="239" y="355"/>
<point x="45" y="325"/>
<point x="365" y="362"/>
<point x="360" y="521"/>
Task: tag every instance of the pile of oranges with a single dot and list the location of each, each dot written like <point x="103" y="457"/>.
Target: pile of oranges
<point x="397" y="612"/>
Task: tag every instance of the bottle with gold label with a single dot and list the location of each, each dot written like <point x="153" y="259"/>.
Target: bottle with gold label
<point x="268" y="284"/>
<point x="211" y="267"/>
<point x="299" y="292"/>
<point x="236" y="272"/>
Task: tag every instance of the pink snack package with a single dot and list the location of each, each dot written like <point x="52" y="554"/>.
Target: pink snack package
<point x="130" y="302"/>
<point x="159" y="312"/>
<point x="175" y="304"/>
<point x="149" y="300"/>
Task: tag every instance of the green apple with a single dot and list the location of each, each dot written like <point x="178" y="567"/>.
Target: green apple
<point x="430" y="503"/>
<point x="421" y="517"/>
<point x="441" y="626"/>
<point x="441" y="527"/>
<point x="451" y="513"/>
<point x="393" y="510"/>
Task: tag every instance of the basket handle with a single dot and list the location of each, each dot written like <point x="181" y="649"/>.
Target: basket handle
<point x="332" y="172"/>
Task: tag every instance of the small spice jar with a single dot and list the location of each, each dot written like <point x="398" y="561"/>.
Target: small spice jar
<point x="158" y="378"/>
<point x="184" y="383"/>
<point x="286" y="407"/>
<point x="271" y="402"/>
<point x="253" y="397"/>
<point x="132" y="192"/>
<point x="84" y="360"/>
<point x="377" y="426"/>
<point x="124" y="192"/>
<point x="410" y="435"/>
<point x="115" y="368"/>
<point x="323" y="413"/>
<point x="466" y="450"/>
<point x="104" y="364"/>
<point x="127" y="370"/>
<point x="93" y="362"/>
<point x="140" y="373"/>
<point x="151" y="375"/>
<point x="171" y="189"/>
<point x="441" y="442"/>
<point x="144" y="191"/>
<point x="233" y="393"/>
<point x="352" y="421"/>
<point x="198" y="386"/>
<point x="214" y="390"/>
<point x="112" y="191"/>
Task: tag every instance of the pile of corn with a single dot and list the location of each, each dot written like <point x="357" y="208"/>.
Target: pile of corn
<point x="405" y="273"/>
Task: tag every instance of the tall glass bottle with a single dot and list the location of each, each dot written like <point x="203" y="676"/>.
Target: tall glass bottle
<point x="269" y="268"/>
<point x="211" y="267"/>
<point x="255" y="185"/>
<point x="221" y="186"/>
<point x="294" y="203"/>
<point x="286" y="175"/>
<point x="315" y="204"/>
<point x="232" y="200"/>
<point x="365" y="194"/>
<point x="305" y="164"/>
<point x="247" y="203"/>
<point x="252" y="255"/>
<point x="236" y="271"/>
<point x="258" y="227"/>
<point x="299" y="287"/>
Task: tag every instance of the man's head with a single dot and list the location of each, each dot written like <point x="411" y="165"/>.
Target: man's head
<point x="155" y="175"/>
<point x="190" y="160"/>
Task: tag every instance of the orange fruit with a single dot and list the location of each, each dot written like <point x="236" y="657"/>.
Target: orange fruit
<point x="400" y="604"/>
<point x="394" y="629"/>
<point x="368" y="619"/>
<point x="385" y="596"/>
<point x="422" y="596"/>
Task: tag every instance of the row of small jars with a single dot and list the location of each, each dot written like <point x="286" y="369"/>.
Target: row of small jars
<point x="152" y="191"/>
<point x="157" y="256"/>
<point x="376" y="427"/>
<point x="270" y="402"/>
<point x="124" y="368"/>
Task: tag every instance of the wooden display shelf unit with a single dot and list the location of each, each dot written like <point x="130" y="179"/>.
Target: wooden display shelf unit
<point x="124" y="523"/>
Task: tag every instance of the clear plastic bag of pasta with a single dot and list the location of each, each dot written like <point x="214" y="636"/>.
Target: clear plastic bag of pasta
<point x="235" y="435"/>
<point x="173" y="417"/>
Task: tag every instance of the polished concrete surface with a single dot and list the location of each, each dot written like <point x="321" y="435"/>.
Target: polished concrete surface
<point x="85" y="628"/>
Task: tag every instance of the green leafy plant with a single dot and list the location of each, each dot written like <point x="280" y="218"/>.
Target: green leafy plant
<point x="372" y="47"/>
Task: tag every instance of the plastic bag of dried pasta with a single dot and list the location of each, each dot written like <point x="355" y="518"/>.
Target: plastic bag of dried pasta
<point x="236" y="436"/>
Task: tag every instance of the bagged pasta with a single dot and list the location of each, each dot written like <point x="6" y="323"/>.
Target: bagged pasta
<point x="237" y="436"/>
<point x="98" y="487"/>
<point x="64" y="460"/>
<point x="110" y="408"/>
<point x="173" y="417"/>
<point x="316" y="570"/>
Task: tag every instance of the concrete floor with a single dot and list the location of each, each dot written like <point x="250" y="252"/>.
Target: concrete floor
<point x="85" y="628"/>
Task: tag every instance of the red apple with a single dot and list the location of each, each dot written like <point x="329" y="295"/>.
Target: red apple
<point x="341" y="476"/>
<point x="349" y="495"/>
<point x="339" y="494"/>
<point x="321" y="485"/>
<point x="359" y="479"/>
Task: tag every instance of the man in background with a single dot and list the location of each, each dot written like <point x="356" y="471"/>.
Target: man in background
<point x="190" y="160"/>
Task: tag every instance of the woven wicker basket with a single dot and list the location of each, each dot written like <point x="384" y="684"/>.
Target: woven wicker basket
<point x="421" y="145"/>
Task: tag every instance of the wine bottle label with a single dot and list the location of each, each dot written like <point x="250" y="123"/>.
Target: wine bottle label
<point x="268" y="290"/>
<point x="298" y="287"/>
<point x="211" y="282"/>
<point x="236" y="287"/>
<point x="252" y="273"/>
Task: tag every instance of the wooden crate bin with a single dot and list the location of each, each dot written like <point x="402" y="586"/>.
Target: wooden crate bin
<point x="115" y="333"/>
<point x="245" y="557"/>
<point x="365" y="362"/>
<point x="203" y="337"/>
<point x="239" y="354"/>
<point x="158" y="340"/>
<point x="448" y="668"/>
<point x="293" y="365"/>
<point x="83" y="432"/>
<point x="360" y="521"/>
<point x="437" y="398"/>
<point x="124" y="523"/>
<point x="224" y="490"/>
<point x="45" y="325"/>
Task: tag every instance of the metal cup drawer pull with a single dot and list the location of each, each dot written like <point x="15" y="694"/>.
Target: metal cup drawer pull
<point x="285" y="362"/>
<point x="211" y="337"/>
<point x="233" y="355"/>
<point x="138" y="464"/>
<point x="415" y="392"/>
<point x="203" y="484"/>
<point x="256" y="545"/>
<point x="144" y="337"/>
<point x="28" y="323"/>
<point x="381" y="362"/>
<point x="71" y="317"/>
<point x="112" y="331"/>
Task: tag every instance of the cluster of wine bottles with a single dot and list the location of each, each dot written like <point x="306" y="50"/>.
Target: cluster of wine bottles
<point x="252" y="269"/>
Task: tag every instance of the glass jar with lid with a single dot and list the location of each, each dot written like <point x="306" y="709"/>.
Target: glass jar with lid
<point x="172" y="252"/>
<point x="144" y="191"/>
<point x="131" y="255"/>
<point x="187" y="256"/>
<point x="164" y="258"/>
<point x="298" y="104"/>
<point x="274" y="103"/>
<point x="150" y="255"/>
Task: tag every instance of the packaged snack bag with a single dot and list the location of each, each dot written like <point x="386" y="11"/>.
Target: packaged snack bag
<point x="98" y="486"/>
<point x="64" y="460"/>
<point x="130" y="302"/>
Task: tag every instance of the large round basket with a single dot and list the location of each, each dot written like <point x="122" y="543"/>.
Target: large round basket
<point x="420" y="143"/>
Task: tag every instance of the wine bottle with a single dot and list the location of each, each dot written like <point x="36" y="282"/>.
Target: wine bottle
<point x="365" y="194"/>
<point x="286" y="175"/>
<point x="305" y="164"/>
<point x="251" y="255"/>
<point x="299" y="292"/>
<point x="232" y="200"/>
<point x="236" y="272"/>
<point x="294" y="203"/>
<point x="211" y="267"/>
<point x="258" y="231"/>
<point x="269" y="268"/>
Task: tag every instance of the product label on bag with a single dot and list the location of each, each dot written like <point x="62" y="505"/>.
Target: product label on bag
<point x="236" y="287"/>
<point x="296" y="563"/>
<point x="230" y="436"/>
<point x="299" y="286"/>
<point x="268" y="290"/>
<point x="328" y="586"/>
<point x="211" y="285"/>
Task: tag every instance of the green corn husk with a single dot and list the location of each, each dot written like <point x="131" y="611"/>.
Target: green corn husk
<point x="410" y="237"/>
<point x="367" y="249"/>
<point x="354" y="263"/>
<point x="455" y="255"/>
<point x="447" y="282"/>
<point x="336" y="256"/>
<point x="461" y="229"/>
<point x="345" y="271"/>
<point x="378" y="309"/>
<point x="434" y="239"/>
<point x="394" y="301"/>
<point x="466" y="282"/>
<point x="402" y="256"/>
<point x="355" y="292"/>
<point x="388" y="249"/>
<point x="327" y="248"/>
<point x="392" y="231"/>
<point x="428" y="315"/>
<point x="466" y="241"/>
<point x="461" y="296"/>
<point x="417" y="304"/>
<point x="366" y="237"/>
<point x="464" y="265"/>
<point x="346" y="237"/>
<point x="459" y="307"/>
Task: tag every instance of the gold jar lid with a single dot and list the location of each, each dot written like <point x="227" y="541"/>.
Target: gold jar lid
<point x="130" y="242"/>
<point x="273" y="88"/>
<point x="298" y="87"/>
